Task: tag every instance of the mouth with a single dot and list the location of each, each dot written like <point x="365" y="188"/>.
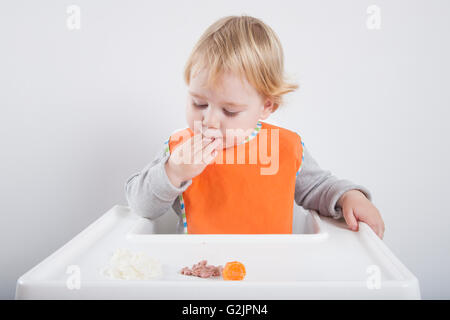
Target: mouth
<point x="212" y="134"/>
<point x="209" y="140"/>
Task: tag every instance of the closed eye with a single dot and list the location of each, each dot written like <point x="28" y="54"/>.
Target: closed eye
<point x="230" y="114"/>
<point x="200" y="105"/>
<point x="226" y="112"/>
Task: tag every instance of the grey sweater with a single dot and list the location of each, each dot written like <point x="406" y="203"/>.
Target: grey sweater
<point x="150" y="193"/>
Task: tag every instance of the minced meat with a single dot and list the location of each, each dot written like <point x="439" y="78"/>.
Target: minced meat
<point x="202" y="270"/>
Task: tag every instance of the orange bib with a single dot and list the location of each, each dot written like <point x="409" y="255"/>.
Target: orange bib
<point x="248" y="188"/>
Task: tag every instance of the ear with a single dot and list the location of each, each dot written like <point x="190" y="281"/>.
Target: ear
<point x="269" y="107"/>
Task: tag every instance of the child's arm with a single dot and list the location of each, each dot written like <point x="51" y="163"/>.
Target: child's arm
<point x="319" y="190"/>
<point x="150" y="193"/>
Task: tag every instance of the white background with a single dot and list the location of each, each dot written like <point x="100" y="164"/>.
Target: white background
<point x="83" y="110"/>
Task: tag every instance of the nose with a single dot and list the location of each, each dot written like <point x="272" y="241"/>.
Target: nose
<point x="210" y="119"/>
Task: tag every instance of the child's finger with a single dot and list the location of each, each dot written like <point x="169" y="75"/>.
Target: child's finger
<point x="212" y="134"/>
<point x="205" y="142"/>
<point x="201" y="153"/>
<point x="376" y="227"/>
<point x="210" y="157"/>
<point x="380" y="231"/>
<point x="197" y="144"/>
<point x="210" y="151"/>
<point x="381" y="235"/>
<point x="350" y="218"/>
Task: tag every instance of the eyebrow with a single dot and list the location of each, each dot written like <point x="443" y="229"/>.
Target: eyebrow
<point x="233" y="104"/>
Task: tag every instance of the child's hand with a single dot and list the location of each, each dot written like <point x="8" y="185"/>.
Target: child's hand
<point x="183" y="165"/>
<point x="355" y="206"/>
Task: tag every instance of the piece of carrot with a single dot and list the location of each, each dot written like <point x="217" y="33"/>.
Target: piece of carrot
<point x="233" y="271"/>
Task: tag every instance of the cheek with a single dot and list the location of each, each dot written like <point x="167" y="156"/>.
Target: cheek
<point x="193" y="115"/>
<point x="235" y="123"/>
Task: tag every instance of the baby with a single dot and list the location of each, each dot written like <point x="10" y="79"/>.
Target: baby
<point x="230" y="172"/>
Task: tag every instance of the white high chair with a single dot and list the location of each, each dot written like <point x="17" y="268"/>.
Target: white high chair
<point x="322" y="259"/>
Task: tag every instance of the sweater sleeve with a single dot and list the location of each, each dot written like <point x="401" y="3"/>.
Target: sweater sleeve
<point x="150" y="193"/>
<point x="319" y="190"/>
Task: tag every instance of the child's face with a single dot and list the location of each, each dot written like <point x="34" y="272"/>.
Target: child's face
<point x="209" y="108"/>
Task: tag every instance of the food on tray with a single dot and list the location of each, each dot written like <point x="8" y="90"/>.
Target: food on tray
<point x="128" y="265"/>
<point x="233" y="271"/>
<point x="202" y="270"/>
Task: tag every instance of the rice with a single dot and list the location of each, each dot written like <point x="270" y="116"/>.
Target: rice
<point x="128" y="265"/>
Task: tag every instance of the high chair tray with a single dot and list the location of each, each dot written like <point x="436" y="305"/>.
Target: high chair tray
<point x="323" y="260"/>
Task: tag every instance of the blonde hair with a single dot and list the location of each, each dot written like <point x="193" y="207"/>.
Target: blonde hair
<point x="247" y="47"/>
